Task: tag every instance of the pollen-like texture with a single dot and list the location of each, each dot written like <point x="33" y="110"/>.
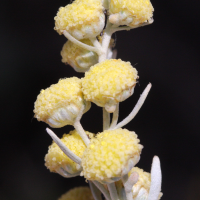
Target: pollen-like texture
<point x="139" y="10"/>
<point x="108" y="80"/>
<point x="65" y="92"/>
<point x="143" y="184"/>
<point x="78" y="193"/>
<point x="55" y="158"/>
<point x="109" y="153"/>
<point x="78" y="14"/>
<point x="80" y="59"/>
<point x="144" y="180"/>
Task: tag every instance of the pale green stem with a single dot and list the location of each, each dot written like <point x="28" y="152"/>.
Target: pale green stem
<point x="113" y="191"/>
<point x="135" y="109"/>
<point x="80" y="44"/>
<point x="106" y="119"/>
<point x="95" y="191"/>
<point x="63" y="147"/>
<point x="102" y="189"/>
<point x="81" y="132"/>
<point x="115" y="117"/>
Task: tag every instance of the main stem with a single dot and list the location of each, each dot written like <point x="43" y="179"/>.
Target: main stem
<point x="103" y="56"/>
<point x="105" y="42"/>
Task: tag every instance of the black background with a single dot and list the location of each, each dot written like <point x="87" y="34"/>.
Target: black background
<point x="165" y="53"/>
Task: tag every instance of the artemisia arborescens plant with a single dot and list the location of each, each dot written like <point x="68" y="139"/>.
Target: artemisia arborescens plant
<point x="106" y="159"/>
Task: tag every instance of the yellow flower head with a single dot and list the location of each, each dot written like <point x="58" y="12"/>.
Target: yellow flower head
<point x="57" y="161"/>
<point x="109" y="82"/>
<point x="61" y="103"/>
<point x="80" y="59"/>
<point x="141" y="189"/>
<point x="110" y="155"/>
<point x="130" y="12"/>
<point x="78" y="193"/>
<point x="82" y="19"/>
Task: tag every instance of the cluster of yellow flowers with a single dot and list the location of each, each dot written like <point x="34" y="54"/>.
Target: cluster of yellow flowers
<point x="106" y="159"/>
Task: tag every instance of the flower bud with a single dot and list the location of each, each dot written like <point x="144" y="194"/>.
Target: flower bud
<point x="61" y="103"/>
<point x="80" y="59"/>
<point x="78" y="193"/>
<point x="56" y="161"/>
<point x="82" y="19"/>
<point x="130" y="12"/>
<point x="109" y="82"/>
<point x="140" y="190"/>
<point x="110" y="155"/>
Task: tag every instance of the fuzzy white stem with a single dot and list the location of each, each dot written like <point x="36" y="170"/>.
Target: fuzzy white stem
<point x="103" y="56"/>
<point x="80" y="44"/>
<point x="115" y="117"/>
<point x="95" y="191"/>
<point x="135" y="109"/>
<point x="106" y="119"/>
<point x="125" y="178"/>
<point x="81" y="132"/>
<point x="156" y="179"/>
<point x="63" y="147"/>
<point x="113" y="191"/>
<point x="95" y="42"/>
<point x="128" y="184"/>
<point x="115" y="28"/>
<point x="79" y="128"/>
<point x="124" y="28"/>
<point x="105" y="42"/>
<point x="114" y="55"/>
<point x="102" y="189"/>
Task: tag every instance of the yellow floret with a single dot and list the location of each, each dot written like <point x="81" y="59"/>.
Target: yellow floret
<point x="60" y="104"/>
<point x="109" y="82"/>
<point x="131" y="12"/>
<point x="110" y="155"/>
<point x="57" y="161"/>
<point x="143" y="184"/>
<point x="78" y="193"/>
<point x="82" y="19"/>
<point x="80" y="59"/>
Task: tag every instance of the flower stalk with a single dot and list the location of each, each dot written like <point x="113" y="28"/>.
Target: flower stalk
<point x="105" y="159"/>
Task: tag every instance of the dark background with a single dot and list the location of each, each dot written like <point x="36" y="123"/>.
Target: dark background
<point x="166" y="54"/>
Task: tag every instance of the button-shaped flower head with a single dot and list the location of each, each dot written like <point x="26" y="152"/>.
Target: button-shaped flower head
<point x="141" y="189"/>
<point x="82" y="19"/>
<point x="130" y="12"/>
<point x="110" y="155"/>
<point x="56" y="161"/>
<point x="78" y="193"/>
<point x="80" y="59"/>
<point x="61" y="103"/>
<point x="109" y="82"/>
